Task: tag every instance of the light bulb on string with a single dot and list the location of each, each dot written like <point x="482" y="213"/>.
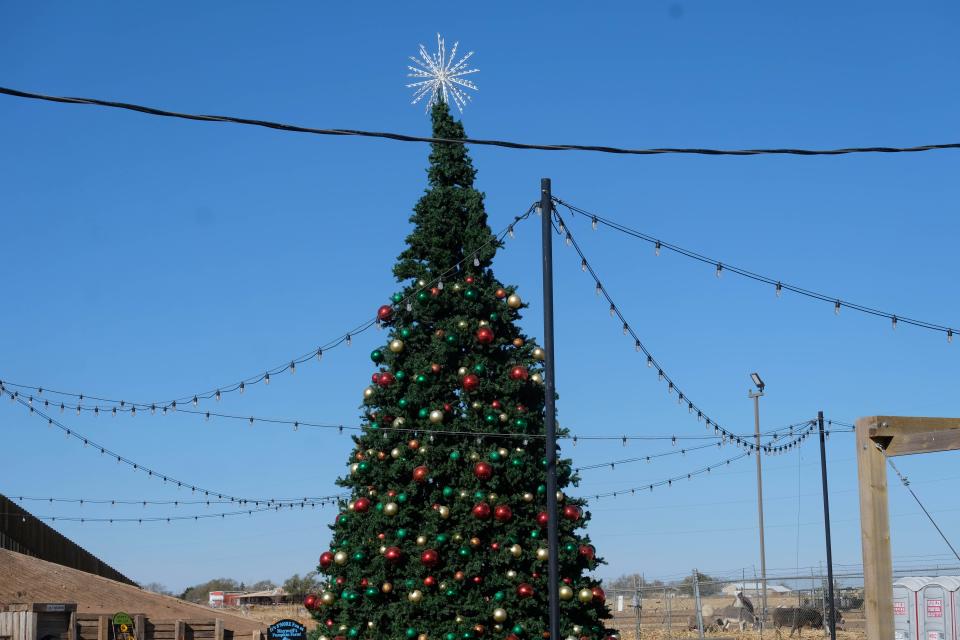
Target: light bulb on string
<point x="613" y="310"/>
<point x="779" y="289"/>
<point x="719" y="269"/>
<point x="626" y="328"/>
<point x="568" y="240"/>
<point x="440" y="284"/>
<point x="510" y="231"/>
<point x="893" y="322"/>
<point x="599" y="288"/>
<point x="266" y="378"/>
<point x="242" y="387"/>
<point x="649" y="358"/>
<point x="560" y="227"/>
<point x="537" y="210"/>
<point x="949" y="336"/>
<point x="293" y="367"/>
<point x="636" y="346"/>
<point x="583" y="264"/>
<point x="656" y="248"/>
<point x="349" y="340"/>
<point x="593" y="223"/>
<point x="319" y="354"/>
<point x="836" y="308"/>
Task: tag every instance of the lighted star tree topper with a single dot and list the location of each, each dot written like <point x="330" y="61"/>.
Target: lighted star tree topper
<point x="444" y="76"/>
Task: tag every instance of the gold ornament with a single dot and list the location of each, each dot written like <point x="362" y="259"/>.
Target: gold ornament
<point x="514" y="301"/>
<point x="395" y="453"/>
<point x="382" y="549"/>
<point x="444" y="512"/>
<point x="516" y="550"/>
<point x="415" y="596"/>
<point x="500" y="615"/>
<point x="423" y="449"/>
<point x="538" y="353"/>
<point x="474" y="456"/>
<point x="462" y="371"/>
<point x="577" y="628"/>
<point x="464" y="493"/>
<point x="391" y="509"/>
<point x="502" y="452"/>
<point x="458" y="619"/>
<point x="511" y="574"/>
<point x="560" y="496"/>
<point x="350" y="506"/>
<point x="354" y="467"/>
<point x="436" y="416"/>
<point x="340" y="557"/>
<point x="423" y="636"/>
<point x="421" y="283"/>
<point x="528" y="497"/>
<point x="421" y="540"/>
<point x="483" y="323"/>
<point x="442" y="586"/>
<point x="457" y="286"/>
<point x="457" y="537"/>
<point x="566" y="593"/>
<point x="585" y="596"/>
<point x="518" y="342"/>
<point x="492" y="497"/>
<point x="372" y="493"/>
<point x="399" y="422"/>
<point x="386" y="587"/>
<point x="343" y="627"/>
<point x="542" y="554"/>
<point x="537" y="378"/>
<point x="396" y="346"/>
<point x="327" y="598"/>
<point x="462" y="325"/>
<point x="368" y="393"/>
<point x="474" y="542"/>
<point x="504" y="417"/>
<point x="476" y="405"/>
<point x="370" y="624"/>
<point x="498" y="628"/>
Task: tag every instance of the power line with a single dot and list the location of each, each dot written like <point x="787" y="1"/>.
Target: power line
<point x="474" y="141"/>
<point x="779" y="286"/>
<point x="115" y="406"/>
<point x="168" y="519"/>
<point x="906" y="483"/>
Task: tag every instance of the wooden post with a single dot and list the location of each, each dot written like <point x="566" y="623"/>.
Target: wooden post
<point x="880" y="437"/>
<point x="72" y="631"/>
<point x="103" y="627"/>
<point x="140" y="626"/>
<point x="179" y="630"/>
<point x="218" y="629"/>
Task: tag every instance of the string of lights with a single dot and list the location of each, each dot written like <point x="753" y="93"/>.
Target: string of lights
<point x="721" y="267"/>
<point x="493" y="143"/>
<point x="652" y="362"/>
<point x="116" y="406"/>
<point x="114" y="502"/>
<point x="167" y="519"/>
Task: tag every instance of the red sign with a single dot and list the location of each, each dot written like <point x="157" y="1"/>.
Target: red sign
<point x="934" y="608"/>
<point x="899" y="608"/>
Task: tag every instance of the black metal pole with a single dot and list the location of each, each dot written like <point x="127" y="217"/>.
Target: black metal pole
<point x="553" y="538"/>
<point x="831" y="613"/>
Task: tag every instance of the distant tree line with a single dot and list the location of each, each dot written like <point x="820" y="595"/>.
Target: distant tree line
<point x="628" y="582"/>
<point x="296" y="585"/>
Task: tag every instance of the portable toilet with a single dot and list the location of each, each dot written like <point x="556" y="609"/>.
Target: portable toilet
<point x="906" y="608"/>
<point x="939" y="614"/>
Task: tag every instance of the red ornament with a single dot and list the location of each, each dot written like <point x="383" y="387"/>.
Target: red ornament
<point x="543" y="518"/>
<point x="447" y="407"/>
<point x="470" y="382"/>
<point x="393" y="554"/>
<point x="384" y="312"/>
<point x="481" y="511"/>
<point x="459" y="576"/>
<point x="310" y="602"/>
<point x="571" y="512"/>
<point x="328" y="622"/>
<point x="519" y="373"/>
<point x="361" y="505"/>
<point x="375" y="378"/>
<point x="495" y="546"/>
<point x="429" y="581"/>
<point x="568" y="581"/>
<point x="500" y="293"/>
<point x="381" y="536"/>
<point x="391" y="493"/>
<point x="386" y="379"/>
<point x="340" y="580"/>
<point x="496" y="404"/>
<point x="429" y="558"/>
<point x="587" y="551"/>
<point x="364" y="582"/>
<point x="414" y="444"/>
<point x="476" y="579"/>
<point x="420" y="474"/>
<point x="326" y="559"/>
<point x="535" y="575"/>
<point x="435" y="368"/>
<point x="502" y="513"/>
<point x="524" y="590"/>
<point x="469" y="279"/>
<point x="483" y="471"/>
<point x="598" y="594"/>
<point x="484" y="335"/>
<point x="434" y="291"/>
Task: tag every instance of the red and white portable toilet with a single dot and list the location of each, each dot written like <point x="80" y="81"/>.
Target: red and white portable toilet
<point x="907" y="617"/>
<point x="939" y="599"/>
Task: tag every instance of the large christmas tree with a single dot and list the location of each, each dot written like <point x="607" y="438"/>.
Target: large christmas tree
<point x="444" y="536"/>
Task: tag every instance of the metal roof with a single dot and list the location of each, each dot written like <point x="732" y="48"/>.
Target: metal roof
<point x="914" y="583"/>
<point x="950" y="583"/>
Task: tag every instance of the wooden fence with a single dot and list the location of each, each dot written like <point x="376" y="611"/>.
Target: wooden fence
<point x="69" y="625"/>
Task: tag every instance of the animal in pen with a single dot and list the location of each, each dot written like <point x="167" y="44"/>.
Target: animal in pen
<point x="738" y="615"/>
<point x="796" y="618"/>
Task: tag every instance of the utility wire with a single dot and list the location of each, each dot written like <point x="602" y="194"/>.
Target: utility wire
<point x="906" y="483"/>
<point x="779" y="286"/>
<point x="492" y="143"/>
<point x="119" y="405"/>
<point x="141" y="520"/>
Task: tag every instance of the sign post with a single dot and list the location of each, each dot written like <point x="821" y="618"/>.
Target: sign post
<point x="123" y="627"/>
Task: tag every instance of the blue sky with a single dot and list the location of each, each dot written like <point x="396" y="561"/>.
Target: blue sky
<point x="148" y="258"/>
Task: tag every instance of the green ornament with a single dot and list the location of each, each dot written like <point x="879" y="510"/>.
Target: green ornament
<point x="447" y="492"/>
<point x="517" y="462"/>
<point x="424" y="412"/>
<point x="442" y="538"/>
<point x="345" y="595"/>
<point x="542" y="488"/>
<point x="411" y="632"/>
<point x="363" y="466"/>
<point x="520" y="423"/>
<point x="421" y="296"/>
<point x="535" y="534"/>
<point x="494" y="316"/>
<point x="405" y="333"/>
<point x="401" y="498"/>
<point x="454" y="455"/>
<point x="408" y="583"/>
<point x="450" y="636"/>
<point x="464" y="552"/>
<point x="494" y="456"/>
<point x="470" y="293"/>
<point x="342" y="519"/>
<point x="450" y="592"/>
<point x="401" y="375"/>
<point x="379" y="506"/>
<point x="569" y="547"/>
<point x="451" y="338"/>
<point x="353" y="633"/>
<point x="374" y="425"/>
<point x="344" y="544"/>
<point x="467" y="635"/>
<point x="401" y="533"/>
<point x="421" y="378"/>
<point x="518" y="629"/>
<point x="403" y="402"/>
<point x="478" y="494"/>
<point x="499" y="596"/>
<point x="397" y="297"/>
<point x="490" y="418"/>
<point x="376" y="355"/>
<point x="371" y="592"/>
<point x="479" y="368"/>
<point x="543" y="462"/>
<point x="358" y="556"/>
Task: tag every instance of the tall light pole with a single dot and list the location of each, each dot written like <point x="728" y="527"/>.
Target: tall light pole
<point x="756" y="395"/>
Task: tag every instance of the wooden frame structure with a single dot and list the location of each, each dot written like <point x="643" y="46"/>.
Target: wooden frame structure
<point x="880" y="437"/>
